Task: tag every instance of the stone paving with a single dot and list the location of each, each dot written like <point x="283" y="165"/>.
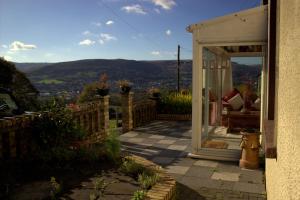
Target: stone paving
<point x="167" y="143"/>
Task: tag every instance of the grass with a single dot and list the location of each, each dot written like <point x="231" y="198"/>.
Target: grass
<point x="113" y="146"/>
<point x="112" y="124"/>
<point x="50" y="81"/>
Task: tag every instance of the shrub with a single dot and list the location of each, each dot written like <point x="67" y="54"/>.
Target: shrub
<point x="147" y="180"/>
<point x="176" y="103"/>
<point x="131" y="168"/>
<point x="113" y="146"/>
<point x="56" y="188"/>
<point x="139" y="195"/>
<point x="54" y="131"/>
<point x="88" y="93"/>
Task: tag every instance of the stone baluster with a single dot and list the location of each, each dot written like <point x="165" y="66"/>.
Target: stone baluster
<point x="127" y="103"/>
<point x="104" y="115"/>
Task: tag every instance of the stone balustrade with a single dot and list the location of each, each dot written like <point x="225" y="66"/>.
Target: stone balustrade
<point x="16" y="133"/>
<point x="143" y="112"/>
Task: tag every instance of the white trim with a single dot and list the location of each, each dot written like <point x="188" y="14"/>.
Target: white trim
<point x="197" y="95"/>
<point x="259" y="9"/>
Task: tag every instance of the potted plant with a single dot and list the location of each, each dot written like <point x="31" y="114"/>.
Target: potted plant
<point x="125" y="86"/>
<point x="154" y="92"/>
<point x="103" y="86"/>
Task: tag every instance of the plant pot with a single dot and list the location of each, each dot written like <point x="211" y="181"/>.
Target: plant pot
<point x="125" y="89"/>
<point x="156" y="94"/>
<point x="250" y="150"/>
<point x="103" y="92"/>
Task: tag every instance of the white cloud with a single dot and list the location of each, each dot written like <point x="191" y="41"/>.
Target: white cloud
<point x="19" y="46"/>
<point x="155" y="53"/>
<point x="101" y="41"/>
<point x="86" y="33"/>
<point x="109" y="22"/>
<point x="134" y="9"/>
<point x="98" y="24"/>
<point x="107" y="37"/>
<point x="4" y="46"/>
<point x="9" y="58"/>
<point x="86" y="42"/>
<point x="165" y="4"/>
<point x="168" y="32"/>
<point x="157" y="10"/>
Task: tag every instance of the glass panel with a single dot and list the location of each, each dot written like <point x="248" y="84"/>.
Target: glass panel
<point x="208" y="90"/>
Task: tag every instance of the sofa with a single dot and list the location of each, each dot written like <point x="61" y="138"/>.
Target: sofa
<point x="240" y="111"/>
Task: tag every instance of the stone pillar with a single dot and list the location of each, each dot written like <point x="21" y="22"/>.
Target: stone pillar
<point x="127" y="104"/>
<point x="104" y="116"/>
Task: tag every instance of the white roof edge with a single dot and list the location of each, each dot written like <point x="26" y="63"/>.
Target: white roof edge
<point x="192" y="27"/>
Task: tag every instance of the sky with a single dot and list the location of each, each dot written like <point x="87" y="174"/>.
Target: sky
<point x="64" y="30"/>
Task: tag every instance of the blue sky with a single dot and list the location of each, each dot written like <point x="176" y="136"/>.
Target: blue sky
<point x="63" y="30"/>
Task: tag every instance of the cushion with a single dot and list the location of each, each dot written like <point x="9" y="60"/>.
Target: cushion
<point x="236" y="102"/>
<point x="256" y="104"/>
<point x="230" y="94"/>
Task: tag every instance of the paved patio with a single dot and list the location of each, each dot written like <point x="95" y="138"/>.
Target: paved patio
<point x="167" y="143"/>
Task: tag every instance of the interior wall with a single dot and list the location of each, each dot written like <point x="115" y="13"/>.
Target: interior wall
<point x="283" y="173"/>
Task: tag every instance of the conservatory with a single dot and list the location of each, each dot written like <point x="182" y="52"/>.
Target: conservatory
<point x="215" y="43"/>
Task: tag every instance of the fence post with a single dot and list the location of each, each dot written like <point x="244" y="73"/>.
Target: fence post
<point x="104" y="117"/>
<point x="127" y="103"/>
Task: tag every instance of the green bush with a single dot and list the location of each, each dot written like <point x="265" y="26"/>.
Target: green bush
<point x="176" y="103"/>
<point x="56" y="188"/>
<point x="113" y="146"/>
<point x="131" y="168"/>
<point x="147" y="179"/>
<point x="54" y="131"/>
<point x="88" y="93"/>
<point x="139" y="195"/>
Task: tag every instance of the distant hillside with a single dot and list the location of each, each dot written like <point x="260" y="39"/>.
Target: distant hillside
<point x="72" y="76"/>
<point x="27" y="67"/>
<point x="245" y="73"/>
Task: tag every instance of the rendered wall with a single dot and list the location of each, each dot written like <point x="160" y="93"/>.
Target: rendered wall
<point x="283" y="174"/>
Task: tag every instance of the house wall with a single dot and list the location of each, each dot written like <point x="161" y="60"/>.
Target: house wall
<point x="283" y="173"/>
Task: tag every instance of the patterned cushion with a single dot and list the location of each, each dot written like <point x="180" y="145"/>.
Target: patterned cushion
<point x="236" y="102"/>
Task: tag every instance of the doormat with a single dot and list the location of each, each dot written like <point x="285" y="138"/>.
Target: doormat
<point x="215" y="144"/>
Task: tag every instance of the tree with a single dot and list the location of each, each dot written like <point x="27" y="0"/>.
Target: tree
<point x="20" y="86"/>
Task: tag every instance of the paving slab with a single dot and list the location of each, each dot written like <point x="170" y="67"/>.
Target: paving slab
<point x="177" y="169"/>
<point x="136" y="140"/>
<point x="130" y="134"/>
<point x="167" y="144"/>
<point x="166" y="141"/>
<point x="206" y="163"/>
<point x="249" y="187"/>
<point x="200" y="172"/>
<point x="226" y="176"/>
<point x="157" y="137"/>
<point x="162" y="160"/>
<point x="177" y="147"/>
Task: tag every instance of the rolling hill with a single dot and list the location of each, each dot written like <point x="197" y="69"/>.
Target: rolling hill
<point x="73" y="75"/>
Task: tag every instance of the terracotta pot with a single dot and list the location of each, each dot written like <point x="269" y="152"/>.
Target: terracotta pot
<point x="250" y="150"/>
<point x="125" y="89"/>
<point x="103" y="92"/>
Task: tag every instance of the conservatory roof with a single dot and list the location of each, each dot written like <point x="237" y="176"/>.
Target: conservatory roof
<point x="249" y="26"/>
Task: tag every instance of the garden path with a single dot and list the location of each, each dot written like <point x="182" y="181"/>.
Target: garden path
<point x="168" y="143"/>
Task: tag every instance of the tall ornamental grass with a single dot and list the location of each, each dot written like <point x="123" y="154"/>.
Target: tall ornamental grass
<point x="176" y="103"/>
